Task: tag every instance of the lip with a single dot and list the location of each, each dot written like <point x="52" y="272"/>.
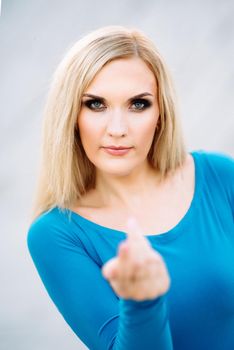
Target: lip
<point x="117" y="151"/>
<point x="117" y="147"/>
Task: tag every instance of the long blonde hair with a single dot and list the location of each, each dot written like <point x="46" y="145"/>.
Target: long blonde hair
<point x="65" y="172"/>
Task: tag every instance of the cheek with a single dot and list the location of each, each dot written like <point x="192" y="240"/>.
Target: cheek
<point x="146" y="134"/>
<point x="89" y="132"/>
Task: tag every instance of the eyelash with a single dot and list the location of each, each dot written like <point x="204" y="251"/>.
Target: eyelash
<point x="146" y="103"/>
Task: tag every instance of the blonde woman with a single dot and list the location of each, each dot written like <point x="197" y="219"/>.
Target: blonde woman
<point x="132" y="235"/>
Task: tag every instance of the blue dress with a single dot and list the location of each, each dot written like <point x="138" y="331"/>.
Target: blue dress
<point x="197" y="313"/>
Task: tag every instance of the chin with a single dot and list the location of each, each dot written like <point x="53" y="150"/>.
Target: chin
<point x="117" y="169"/>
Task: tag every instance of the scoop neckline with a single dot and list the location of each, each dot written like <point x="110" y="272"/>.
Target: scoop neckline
<point x="162" y="237"/>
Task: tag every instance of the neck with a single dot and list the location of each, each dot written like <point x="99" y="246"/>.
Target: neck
<point x="126" y="191"/>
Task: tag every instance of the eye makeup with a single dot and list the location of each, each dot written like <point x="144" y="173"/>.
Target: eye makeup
<point x="139" y="102"/>
<point x="98" y="104"/>
<point x="94" y="104"/>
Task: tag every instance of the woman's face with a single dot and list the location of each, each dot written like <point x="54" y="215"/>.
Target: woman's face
<point x="118" y="116"/>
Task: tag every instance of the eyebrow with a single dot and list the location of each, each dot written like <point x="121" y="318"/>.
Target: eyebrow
<point x="130" y="99"/>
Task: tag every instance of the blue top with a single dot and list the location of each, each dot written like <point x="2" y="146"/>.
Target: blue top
<point x="197" y="313"/>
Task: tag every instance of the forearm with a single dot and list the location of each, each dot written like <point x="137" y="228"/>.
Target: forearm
<point x="143" y="325"/>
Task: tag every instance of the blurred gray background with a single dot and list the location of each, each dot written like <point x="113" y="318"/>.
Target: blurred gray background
<point x="196" y="39"/>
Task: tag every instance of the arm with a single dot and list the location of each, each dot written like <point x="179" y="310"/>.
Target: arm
<point x="143" y="325"/>
<point x="85" y="299"/>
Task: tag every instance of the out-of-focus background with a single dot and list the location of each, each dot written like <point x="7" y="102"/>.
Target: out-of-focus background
<point x="196" y="39"/>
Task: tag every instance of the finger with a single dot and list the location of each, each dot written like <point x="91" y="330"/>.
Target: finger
<point x="123" y="250"/>
<point x="135" y="234"/>
<point x="129" y="261"/>
<point x="125" y="260"/>
<point x="133" y="228"/>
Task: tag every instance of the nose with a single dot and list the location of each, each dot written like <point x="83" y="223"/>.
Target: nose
<point x="117" y="124"/>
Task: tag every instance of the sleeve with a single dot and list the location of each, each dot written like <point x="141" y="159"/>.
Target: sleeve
<point x="86" y="300"/>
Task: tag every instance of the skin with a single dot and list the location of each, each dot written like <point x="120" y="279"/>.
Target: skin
<point x="120" y="181"/>
<point x="138" y="271"/>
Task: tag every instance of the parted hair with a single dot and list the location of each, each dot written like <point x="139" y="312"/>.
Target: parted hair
<point x="65" y="172"/>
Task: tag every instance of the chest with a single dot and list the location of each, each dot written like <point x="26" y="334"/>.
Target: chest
<point x="158" y="214"/>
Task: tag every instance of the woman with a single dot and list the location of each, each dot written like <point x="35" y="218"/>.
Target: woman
<point x="132" y="235"/>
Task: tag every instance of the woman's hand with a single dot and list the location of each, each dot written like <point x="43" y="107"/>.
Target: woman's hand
<point x="138" y="272"/>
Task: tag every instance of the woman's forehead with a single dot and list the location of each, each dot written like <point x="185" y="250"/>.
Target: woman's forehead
<point x="130" y="76"/>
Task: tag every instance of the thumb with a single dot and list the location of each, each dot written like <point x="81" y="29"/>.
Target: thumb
<point x="109" y="268"/>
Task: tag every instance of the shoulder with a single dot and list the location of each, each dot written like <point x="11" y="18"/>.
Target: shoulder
<point x="49" y="230"/>
<point x="55" y="235"/>
<point x="40" y="230"/>
<point x="219" y="163"/>
<point x="217" y="171"/>
<point x="49" y="219"/>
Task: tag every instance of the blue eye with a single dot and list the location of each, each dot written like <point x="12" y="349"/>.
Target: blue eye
<point x="94" y="105"/>
<point x="137" y="105"/>
<point x="141" y="104"/>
